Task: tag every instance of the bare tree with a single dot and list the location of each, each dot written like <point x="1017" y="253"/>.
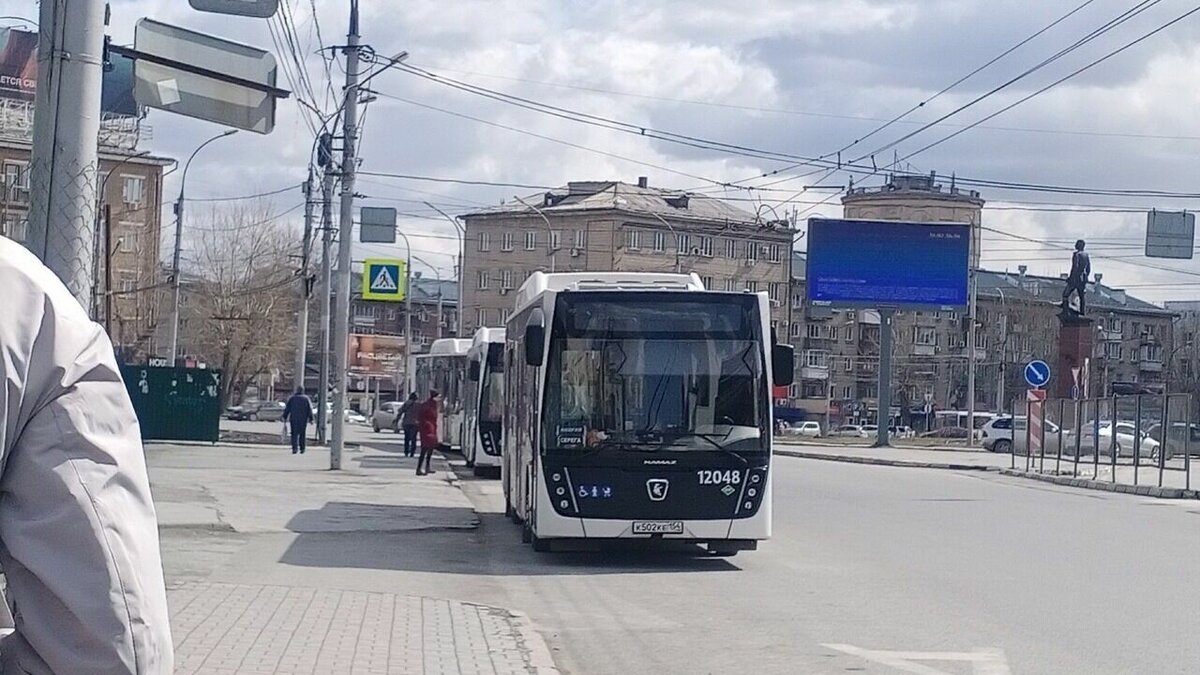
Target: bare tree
<point x="240" y="302"/>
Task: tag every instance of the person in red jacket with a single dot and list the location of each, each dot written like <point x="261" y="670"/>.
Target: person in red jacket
<point x="427" y="428"/>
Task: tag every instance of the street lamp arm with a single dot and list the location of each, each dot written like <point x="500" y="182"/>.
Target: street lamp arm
<point x="673" y="234"/>
<point x="549" y="229"/>
<point x="187" y="165"/>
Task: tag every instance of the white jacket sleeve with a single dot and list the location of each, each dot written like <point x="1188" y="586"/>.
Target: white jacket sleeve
<point x="78" y="534"/>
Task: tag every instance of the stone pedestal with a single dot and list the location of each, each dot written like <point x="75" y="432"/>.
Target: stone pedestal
<point x="1076" y="339"/>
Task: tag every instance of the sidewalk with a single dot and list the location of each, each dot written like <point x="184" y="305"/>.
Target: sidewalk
<point x="224" y="511"/>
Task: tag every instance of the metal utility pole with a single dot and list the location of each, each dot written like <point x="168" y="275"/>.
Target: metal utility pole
<point x="66" y="120"/>
<point x="174" y="344"/>
<point x="326" y="296"/>
<point x="971" y="328"/>
<point x="1000" y="407"/>
<point x="883" y="419"/>
<point x="302" y="310"/>
<point x="341" y="315"/>
<point x="408" y="292"/>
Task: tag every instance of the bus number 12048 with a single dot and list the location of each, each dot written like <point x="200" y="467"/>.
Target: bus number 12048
<point x="727" y="477"/>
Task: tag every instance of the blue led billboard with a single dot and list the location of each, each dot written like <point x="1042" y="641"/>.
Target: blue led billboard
<point x="868" y="263"/>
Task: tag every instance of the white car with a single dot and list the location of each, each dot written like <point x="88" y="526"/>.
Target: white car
<point x="805" y="429"/>
<point x="849" y="431"/>
<point x="1126" y="439"/>
<point x="355" y="417"/>
<point x="997" y="435"/>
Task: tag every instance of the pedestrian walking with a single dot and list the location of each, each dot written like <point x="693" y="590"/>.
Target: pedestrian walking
<point x="408" y="422"/>
<point x="427" y="421"/>
<point x="78" y="533"/>
<point x="298" y="412"/>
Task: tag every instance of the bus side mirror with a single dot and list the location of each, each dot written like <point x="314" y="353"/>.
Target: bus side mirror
<point x="473" y="371"/>
<point x="535" y="338"/>
<point x="783" y="365"/>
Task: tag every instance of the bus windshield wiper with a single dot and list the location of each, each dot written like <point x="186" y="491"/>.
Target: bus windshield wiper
<point x="712" y="439"/>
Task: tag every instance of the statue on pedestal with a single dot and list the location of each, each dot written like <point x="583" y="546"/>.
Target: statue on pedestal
<point x="1081" y="269"/>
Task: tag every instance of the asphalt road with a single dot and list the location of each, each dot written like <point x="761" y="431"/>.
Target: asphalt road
<point x="871" y="570"/>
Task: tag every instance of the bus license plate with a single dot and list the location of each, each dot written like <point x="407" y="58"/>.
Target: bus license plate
<point x="658" y="527"/>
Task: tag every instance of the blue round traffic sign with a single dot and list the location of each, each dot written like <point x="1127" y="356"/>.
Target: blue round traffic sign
<point x="1037" y="373"/>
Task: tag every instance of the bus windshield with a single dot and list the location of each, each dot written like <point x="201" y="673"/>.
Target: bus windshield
<point x="491" y="386"/>
<point x="652" y="374"/>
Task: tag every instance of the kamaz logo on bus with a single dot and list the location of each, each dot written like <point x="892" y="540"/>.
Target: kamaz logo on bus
<point x="657" y="489"/>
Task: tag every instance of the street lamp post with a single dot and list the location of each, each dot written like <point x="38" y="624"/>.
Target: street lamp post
<point x="438" y="275"/>
<point x="550" y="250"/>
<point x="103" y="237"/>
<point x="673" y="234"/>
<point x="408" y="291"/>
<point x="174" y="344"/>
<point x="462" y="244"/>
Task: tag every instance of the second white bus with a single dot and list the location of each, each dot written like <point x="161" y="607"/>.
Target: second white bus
<point x="444" y="369"/>
<point x="484" y="401"/>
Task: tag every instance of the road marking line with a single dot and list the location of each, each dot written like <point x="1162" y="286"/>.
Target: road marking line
<point x="984" y="661"/>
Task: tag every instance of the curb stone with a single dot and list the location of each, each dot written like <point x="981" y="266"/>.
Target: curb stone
<point x="540" y="658"/>
<point x="1089" y="484"/>
<point x="877" y="461"/>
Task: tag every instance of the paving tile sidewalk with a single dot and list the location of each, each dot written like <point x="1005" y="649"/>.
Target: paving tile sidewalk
<point x="217" y="498"/>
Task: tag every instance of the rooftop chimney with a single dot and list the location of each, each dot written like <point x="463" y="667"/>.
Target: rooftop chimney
<point x="643" y="182"/>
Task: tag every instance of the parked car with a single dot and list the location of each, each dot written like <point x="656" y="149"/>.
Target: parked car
<point x="870" y="430"/>
<point x="997" y="435"/>
<point x="1180" y="437"/>
<point x="848" y="431"/>
<point x="809" y="429"/>
<point x="256" y="410"/>
<point x="355" y="417"/>
<point x="386" y="417"/>
<point x="1125" y="442"/>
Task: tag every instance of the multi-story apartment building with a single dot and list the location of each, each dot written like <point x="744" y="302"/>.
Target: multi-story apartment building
<point x="131" y="201"/>
<point x="609" y="225"/>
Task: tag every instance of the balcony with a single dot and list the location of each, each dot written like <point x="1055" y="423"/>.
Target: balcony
<point x="1148" y="366"/>
<point x="814" y="373"/>
<point x="924" y="350"/>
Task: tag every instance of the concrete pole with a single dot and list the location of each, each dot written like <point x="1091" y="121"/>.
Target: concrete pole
<point x="326" y="295"/>
<point x="1000" y="407"/>
<point x="408" y="291"/>
<point x="341" y="333"/>
<point x="66" y="121"/>
<point x="303" y="294"/>
<point x="883" y="418"/>
<point x="971" y="330"/>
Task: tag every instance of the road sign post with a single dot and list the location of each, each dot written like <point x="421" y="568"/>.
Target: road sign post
<point x="1035" y="430"/>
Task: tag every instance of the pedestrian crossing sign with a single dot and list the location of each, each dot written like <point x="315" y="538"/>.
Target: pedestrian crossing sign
<point x="383" y="279"/>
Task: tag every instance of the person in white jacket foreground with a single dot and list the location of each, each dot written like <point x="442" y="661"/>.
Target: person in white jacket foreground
<point x="78" y="533"/>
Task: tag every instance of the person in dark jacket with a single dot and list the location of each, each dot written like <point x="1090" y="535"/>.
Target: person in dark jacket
<point x="407" y="416"/>
<point x="427" y="423"/>
<point x="298" y="412"/>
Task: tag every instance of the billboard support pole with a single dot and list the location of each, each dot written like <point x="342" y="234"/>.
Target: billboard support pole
<point x="884" y="417"/>
<point x="64" y="161"/>
<point x="971" y="328"/>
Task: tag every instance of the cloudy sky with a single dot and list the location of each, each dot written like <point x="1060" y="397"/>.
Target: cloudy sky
<point x="794" y="78"/>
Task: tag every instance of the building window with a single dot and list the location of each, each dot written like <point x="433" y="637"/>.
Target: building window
<point x="481" y="317"/>
<point x="848" y="365"/>
<point x="706" y="247"/>
<point x="15" y="227"/>
<point x="730" y="285"/>
<point x="730" y="248"/>
<point x="924" y="335"/>
<point x="1113" y="350"/>
<point x="775" y="253"/>
<point x="506" y="279"/>
<point x="128" y="284"/>
<point x="847" y="392"/>
<point x="530" y="241"/>
<point x="797" y="300"/>
<point x="814" y="331"/>
<point x="848" y="333"/>
<point x="751" y="250"/>
<point x="580" y="239"/>
<point x="483" y="280"/>
<point x="504" y="312"/>
<point x="795" y="331"/>
<point x="752" y="285"/>
<point x="774" y="290"/>
<point x="660" y="242"/>
<point x="506" y="241"/>
<point x="707" y="281"/>
<point x="485" y="242"/>
<point x="816" y="358"/>
<point x="16" y="182"/>
<point x="134" y="190"/>
<point x="633" y="240"/>
<point x="555" y="240"/>
<point x="683" y="241"/>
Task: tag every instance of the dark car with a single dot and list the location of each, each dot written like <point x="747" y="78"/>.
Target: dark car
<point x="256" y="410"/>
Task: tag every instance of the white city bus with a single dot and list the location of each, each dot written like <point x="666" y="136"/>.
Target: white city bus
<point x="444" y="368"/>
<point x="638" y="407"/>
<point x="484" y="401"/>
